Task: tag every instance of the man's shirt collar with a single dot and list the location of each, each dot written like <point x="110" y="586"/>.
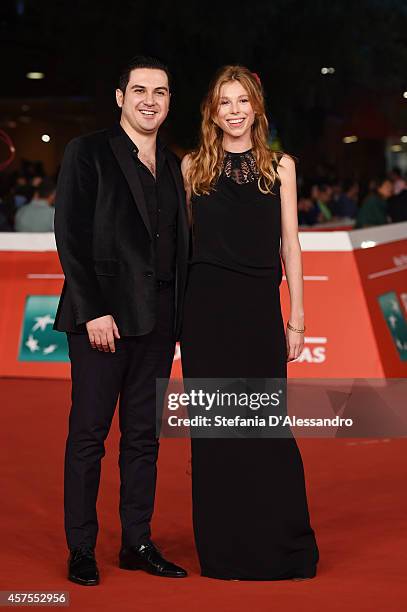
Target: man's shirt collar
<point x="134" y="148"/>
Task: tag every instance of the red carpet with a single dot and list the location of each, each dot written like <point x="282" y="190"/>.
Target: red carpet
<point x="357" y="498"/>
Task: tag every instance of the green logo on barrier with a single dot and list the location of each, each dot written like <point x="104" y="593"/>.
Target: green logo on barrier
<point x="395" y="321"/>
<point x="39" y="342"/>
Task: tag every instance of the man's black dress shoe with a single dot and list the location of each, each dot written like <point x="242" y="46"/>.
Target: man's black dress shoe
<point x="146" y="557"/>
<point x="82" y="567"/>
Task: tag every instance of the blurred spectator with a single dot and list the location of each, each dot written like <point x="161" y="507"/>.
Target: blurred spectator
<point x="4" y="224"/>
<point x="307" y="211"/>
<point x="18" y="196"/>
<point x="7" y="213"/>
<point x="347" y="203"/>
<point x="322" y="196"/>
<point x="399" y="183"/>
<point x="373" y="210"/>
<point x="36" y="181"/>
<point x="38" y="215"/>
<point x="337" y="190"/>
<point x="315" y="207"/>
<point x="397" y="207"/>
<point x="21" y="192"/>
<point x="32" y="169"/>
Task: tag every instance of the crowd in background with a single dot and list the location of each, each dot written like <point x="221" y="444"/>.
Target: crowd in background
<point x="27" y="200"/>
<point x="326" y="200"/>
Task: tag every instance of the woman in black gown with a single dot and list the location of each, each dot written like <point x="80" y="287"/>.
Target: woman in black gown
<point x="250" y="510"/>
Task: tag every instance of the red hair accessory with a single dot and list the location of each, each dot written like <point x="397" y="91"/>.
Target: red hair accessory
<point x="256" y="76"/>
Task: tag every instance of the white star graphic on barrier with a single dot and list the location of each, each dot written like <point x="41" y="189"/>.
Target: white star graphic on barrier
<point x="392" y="320"/>
<point x="42" y="322"/>
<point x="395" y="305"/>
<point x="50" y="349"/>
<point x="32" y="344"/>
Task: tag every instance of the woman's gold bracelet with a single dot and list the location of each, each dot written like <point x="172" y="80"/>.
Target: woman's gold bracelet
<point x="294" y="329"/>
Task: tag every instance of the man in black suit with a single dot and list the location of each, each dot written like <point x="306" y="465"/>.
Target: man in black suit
<point x="122" y="238"/>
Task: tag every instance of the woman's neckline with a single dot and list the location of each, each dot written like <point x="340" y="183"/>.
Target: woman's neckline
<point x="239" y="153"/>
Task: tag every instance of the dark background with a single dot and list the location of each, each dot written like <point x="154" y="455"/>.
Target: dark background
<point x="80" y="47"/>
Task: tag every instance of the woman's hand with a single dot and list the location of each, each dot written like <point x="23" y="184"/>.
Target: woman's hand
<point x="295" y="344"/>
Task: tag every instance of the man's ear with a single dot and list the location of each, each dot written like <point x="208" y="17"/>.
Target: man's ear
<point x="119" y="97"/>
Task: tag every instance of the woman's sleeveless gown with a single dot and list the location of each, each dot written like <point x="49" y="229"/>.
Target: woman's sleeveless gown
<point x="250" y="512"/>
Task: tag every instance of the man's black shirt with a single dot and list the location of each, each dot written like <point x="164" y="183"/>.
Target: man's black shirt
<point x="162" y="206"/>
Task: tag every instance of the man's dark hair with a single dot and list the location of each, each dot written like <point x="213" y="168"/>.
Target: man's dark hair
<point x="46" y="188"/>
<point x="142" y="61"/>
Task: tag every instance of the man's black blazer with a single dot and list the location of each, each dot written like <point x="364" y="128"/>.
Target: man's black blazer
<point x="104" y="238"/>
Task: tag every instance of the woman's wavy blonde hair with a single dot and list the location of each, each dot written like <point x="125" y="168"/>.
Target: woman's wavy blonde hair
<point x="205" y="163"/>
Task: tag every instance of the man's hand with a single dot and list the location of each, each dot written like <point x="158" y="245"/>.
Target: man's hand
<point x="102" y="332"/>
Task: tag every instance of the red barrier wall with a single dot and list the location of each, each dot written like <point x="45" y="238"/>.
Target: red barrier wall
<point x="355" y="305"/>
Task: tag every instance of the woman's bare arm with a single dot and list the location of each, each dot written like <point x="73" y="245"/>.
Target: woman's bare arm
<point x="291" y="254"/>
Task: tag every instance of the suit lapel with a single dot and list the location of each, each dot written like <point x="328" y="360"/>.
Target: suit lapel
<point x="182" y="242"/>
<point x="128" y="167"/>
<point x="183" y="222"/>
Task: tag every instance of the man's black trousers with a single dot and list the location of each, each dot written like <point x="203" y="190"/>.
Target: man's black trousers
<point x="98" y="379"/>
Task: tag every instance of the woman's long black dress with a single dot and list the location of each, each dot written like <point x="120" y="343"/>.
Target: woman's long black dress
<point x="250" y="510"/>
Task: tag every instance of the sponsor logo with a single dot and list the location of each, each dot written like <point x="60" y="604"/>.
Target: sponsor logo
<point x="39" y="342"/>
<point x="400" y="260"/>
<point x="395" y="320"/>
<point x="314" y="350"/>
